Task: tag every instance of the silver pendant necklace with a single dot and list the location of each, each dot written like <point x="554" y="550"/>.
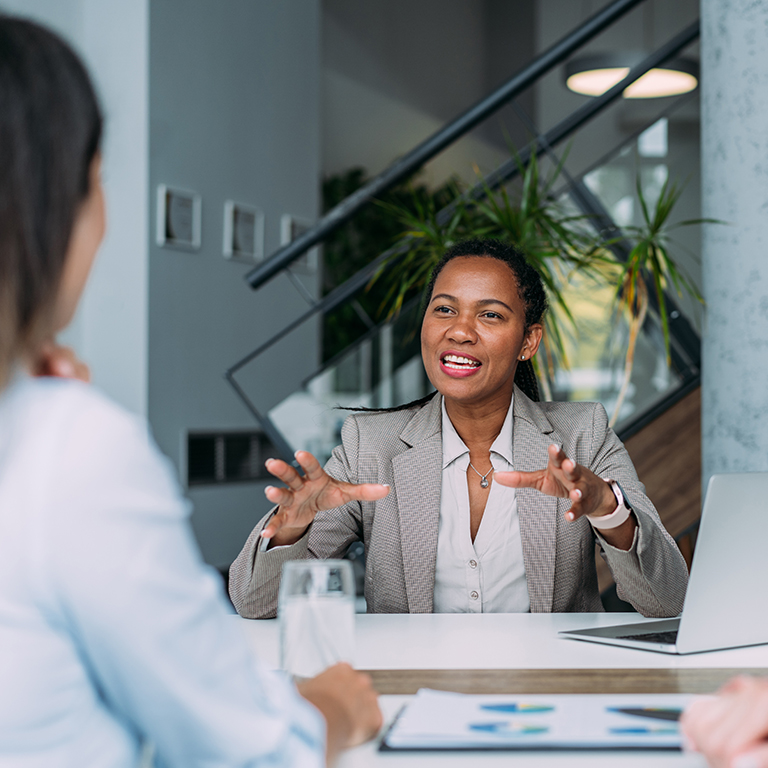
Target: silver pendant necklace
<point x="483" y="478"/>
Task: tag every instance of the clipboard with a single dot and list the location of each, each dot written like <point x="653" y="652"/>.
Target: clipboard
<point x="437" y="721"/>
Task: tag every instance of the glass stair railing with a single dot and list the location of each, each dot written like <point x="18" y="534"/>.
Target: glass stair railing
<point x="381" y="369"/>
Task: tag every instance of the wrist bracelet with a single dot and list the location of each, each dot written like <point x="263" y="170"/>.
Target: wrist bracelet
<point x="618" y="516"/>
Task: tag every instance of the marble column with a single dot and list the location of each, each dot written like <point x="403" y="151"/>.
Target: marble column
<point x="734" y="128"/>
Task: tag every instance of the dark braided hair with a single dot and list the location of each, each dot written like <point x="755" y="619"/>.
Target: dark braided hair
<point x="530" y="289"/>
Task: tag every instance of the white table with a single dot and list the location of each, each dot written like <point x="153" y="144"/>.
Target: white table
<point x="497" y="641"/>
<point x="501" y="642"/>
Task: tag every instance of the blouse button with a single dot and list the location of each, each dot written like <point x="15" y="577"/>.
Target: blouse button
<point x="474" y="595"/>
<point x="473" y="563"/>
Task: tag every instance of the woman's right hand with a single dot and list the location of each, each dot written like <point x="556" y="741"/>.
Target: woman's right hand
<point x="306" y="495"/>
<point x="348" y="702"/>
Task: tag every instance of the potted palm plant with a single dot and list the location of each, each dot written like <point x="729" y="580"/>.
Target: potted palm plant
<point x="559" y="245"/>
<point x="650" y="263"/>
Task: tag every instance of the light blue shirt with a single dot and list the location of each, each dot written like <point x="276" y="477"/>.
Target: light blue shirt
<point x="112" y="631"/>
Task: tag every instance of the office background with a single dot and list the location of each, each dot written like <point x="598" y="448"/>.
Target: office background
<point x="256" y="101"/>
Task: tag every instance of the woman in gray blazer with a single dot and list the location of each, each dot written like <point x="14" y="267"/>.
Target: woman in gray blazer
<point x="449" y="494"/>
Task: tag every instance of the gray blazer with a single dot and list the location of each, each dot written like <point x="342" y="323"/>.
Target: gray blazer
<point x="404" y="449"/>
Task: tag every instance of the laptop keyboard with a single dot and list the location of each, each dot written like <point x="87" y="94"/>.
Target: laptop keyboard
<point x="667" y="638"/>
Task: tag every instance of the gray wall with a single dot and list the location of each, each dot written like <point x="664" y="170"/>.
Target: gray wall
<point x="234" y="113"/>
<point x="734" y="151"/>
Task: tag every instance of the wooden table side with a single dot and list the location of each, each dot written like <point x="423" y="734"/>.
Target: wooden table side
<point x="408" y="681"/>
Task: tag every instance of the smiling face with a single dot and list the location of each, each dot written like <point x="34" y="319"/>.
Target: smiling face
<point x="474" y="333"/>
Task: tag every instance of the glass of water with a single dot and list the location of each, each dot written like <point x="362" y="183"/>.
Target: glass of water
<point x="316" y="609"/>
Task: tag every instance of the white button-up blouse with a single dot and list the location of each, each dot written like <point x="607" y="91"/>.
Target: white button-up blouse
<point x="487" y="576"/>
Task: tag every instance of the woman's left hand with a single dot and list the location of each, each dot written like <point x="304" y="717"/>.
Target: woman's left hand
<point x="564" y="478"/>
<point x="61" y="362"/>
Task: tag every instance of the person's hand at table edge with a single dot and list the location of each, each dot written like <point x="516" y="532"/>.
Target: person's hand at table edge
<point x="731" y="729"/>
<point x="348" y="703"/>
<point x="589" y="494"/>
<point x="306" y="495"/>
<point x="61" y="362"/>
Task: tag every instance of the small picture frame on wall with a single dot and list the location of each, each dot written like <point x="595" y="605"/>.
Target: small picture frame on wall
<point x="292" y="227"/>
<point x="179" y="214"/>
<point x="243" y="232"/>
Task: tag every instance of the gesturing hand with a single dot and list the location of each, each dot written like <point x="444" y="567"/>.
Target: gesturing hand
<point x="564" y="478"/>
<point x="308" y="494"/>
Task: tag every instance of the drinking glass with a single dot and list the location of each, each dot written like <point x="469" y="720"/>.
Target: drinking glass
<point x="316" y="609"/>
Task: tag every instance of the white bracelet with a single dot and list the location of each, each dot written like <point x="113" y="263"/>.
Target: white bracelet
<point x="618" y="516"/>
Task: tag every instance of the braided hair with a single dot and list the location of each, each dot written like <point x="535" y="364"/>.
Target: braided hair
<point x="530" y="289"/>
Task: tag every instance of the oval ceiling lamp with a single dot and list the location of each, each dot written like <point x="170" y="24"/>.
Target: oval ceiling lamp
<point x="594" y="75"/>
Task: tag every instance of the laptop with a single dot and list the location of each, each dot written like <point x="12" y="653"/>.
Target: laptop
<point x="725" y="605"/>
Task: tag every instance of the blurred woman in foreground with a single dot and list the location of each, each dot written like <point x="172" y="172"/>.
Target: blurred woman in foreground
<point x="112" y="632"/>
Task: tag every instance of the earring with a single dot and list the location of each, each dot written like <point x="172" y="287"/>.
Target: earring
<point x="522" y="357"/>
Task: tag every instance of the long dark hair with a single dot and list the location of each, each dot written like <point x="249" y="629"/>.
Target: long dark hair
<point x="50" y="132"/>
<point x="530" y="289"/>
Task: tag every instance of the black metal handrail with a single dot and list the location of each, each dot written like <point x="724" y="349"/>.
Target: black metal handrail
<point x="416" y="158"/>
<point x="601" y="220"/>
<point x="587" y="111"/>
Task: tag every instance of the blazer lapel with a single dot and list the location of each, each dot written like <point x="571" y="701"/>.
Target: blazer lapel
<point x="537" y="513"/>
<point x="418" y="482"/>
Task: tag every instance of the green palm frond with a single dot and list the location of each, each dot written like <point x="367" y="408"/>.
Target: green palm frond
<point x="650" y="259"/>
<point x="557" y="243"/>
<point x="651" y="266"/>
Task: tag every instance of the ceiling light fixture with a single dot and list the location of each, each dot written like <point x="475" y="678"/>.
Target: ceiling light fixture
<point x="594" y="75"/>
